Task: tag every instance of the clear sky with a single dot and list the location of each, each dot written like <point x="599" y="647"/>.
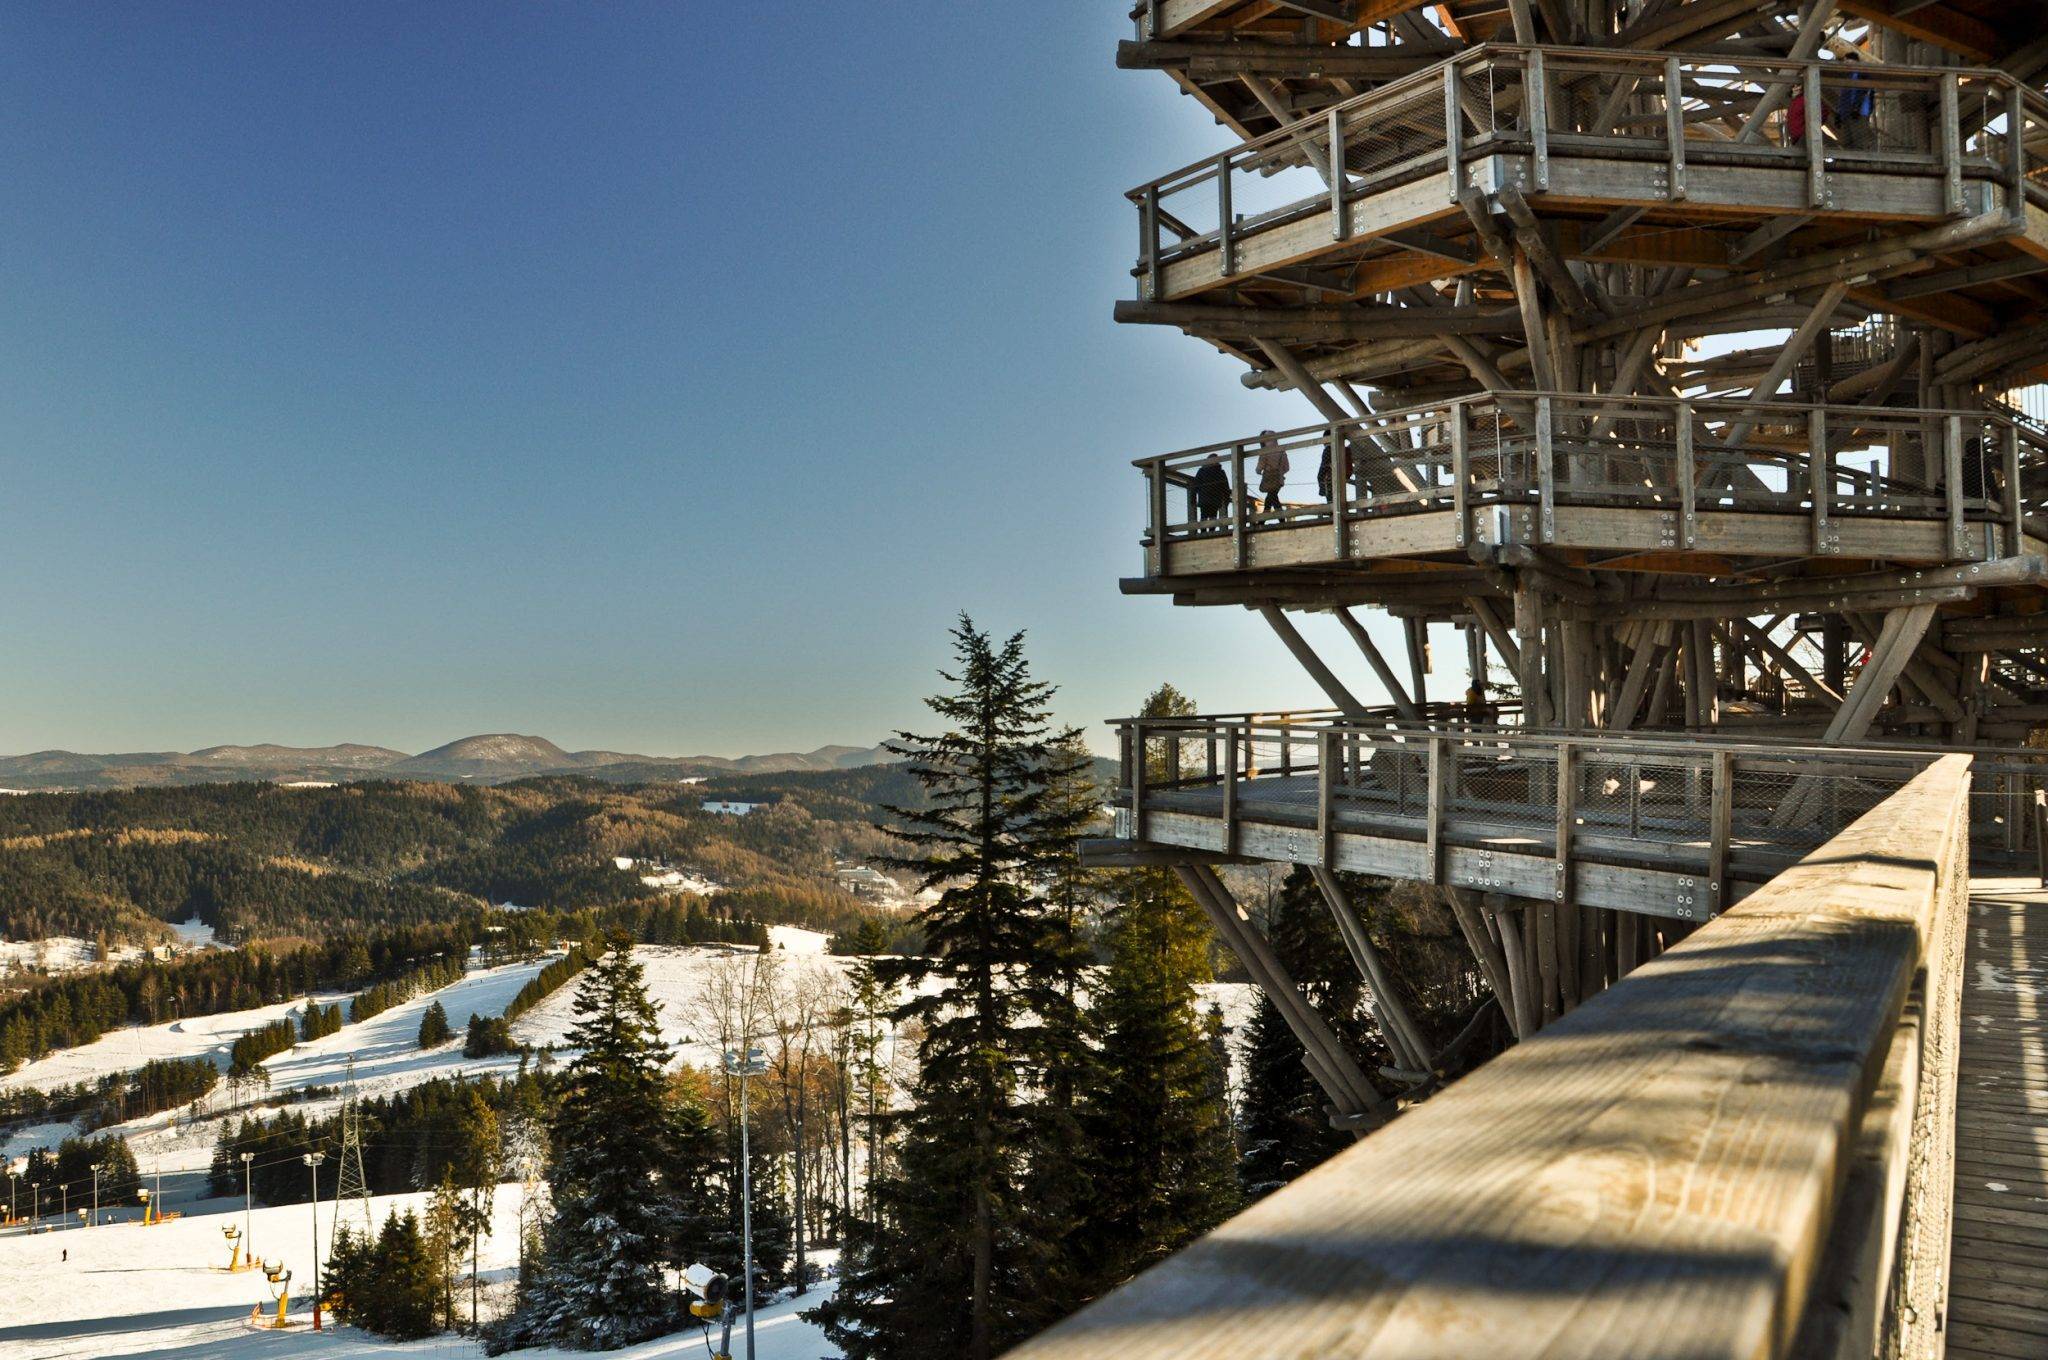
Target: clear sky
<point x="659" y="377"/>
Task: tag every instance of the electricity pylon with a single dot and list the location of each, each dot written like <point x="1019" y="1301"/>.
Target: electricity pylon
<point x="352" y="1187"/>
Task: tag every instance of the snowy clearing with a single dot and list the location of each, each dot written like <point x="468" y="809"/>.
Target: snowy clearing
<point x="161" y="1291"/>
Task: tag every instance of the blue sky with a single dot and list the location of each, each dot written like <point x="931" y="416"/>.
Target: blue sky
<point x="659" y="377"/>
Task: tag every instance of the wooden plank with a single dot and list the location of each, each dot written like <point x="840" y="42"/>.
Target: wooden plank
<point x="1589" y="1193"/>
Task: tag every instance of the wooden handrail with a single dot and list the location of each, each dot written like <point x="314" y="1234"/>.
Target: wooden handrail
<point x="1659" y="1173"/>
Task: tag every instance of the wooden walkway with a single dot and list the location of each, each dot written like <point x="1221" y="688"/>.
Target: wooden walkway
<point x="1998" y="1260"/>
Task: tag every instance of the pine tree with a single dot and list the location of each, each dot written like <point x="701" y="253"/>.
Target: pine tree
<point x="478" y="1166"/>
<point x="434" y="1026"/>
<point x="389" y="1286"/>
<point x="1161" y="1164"/>
<point x="944" y="1270"/>
<point x="599" y="1282"/>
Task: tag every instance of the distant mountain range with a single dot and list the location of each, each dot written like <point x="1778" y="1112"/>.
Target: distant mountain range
<point x="486" y="759"/>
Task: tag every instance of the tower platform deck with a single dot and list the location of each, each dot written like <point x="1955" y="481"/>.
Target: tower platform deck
<point x="1998" y="1254"/>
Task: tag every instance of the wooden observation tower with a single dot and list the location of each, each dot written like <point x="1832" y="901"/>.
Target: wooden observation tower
<point x="1671" y="360"/>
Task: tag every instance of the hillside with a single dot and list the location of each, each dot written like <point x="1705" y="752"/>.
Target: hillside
<point x="487" y="758"/>
<point x="253" y="861"/>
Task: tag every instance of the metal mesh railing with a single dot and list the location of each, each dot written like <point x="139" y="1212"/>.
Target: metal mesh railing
<point x="1486" y="781"/>
<point x="1564" y="449"/>
<point x="1626" y="105"/>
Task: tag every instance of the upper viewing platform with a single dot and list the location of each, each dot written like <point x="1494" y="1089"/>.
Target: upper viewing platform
<point x="1689" y="161"/>
<point x="1644" y="482"/>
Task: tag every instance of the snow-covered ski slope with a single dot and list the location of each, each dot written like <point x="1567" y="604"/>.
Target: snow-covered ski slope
<point x="159" y="1291"/>
<point x="124" y="1050"/>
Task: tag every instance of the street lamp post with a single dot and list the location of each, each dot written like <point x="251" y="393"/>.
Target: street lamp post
<point x="248" y="1223"/>
<point x="95" y="1197"/>
<point x="312" y="1161"/>
<point x="753" y="1065"/>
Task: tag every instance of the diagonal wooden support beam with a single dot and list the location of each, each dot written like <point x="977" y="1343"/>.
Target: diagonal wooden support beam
<point x="1400" y="1029"/>
<point x="1896" y="642"/>
<point x="1403" y="704"/>
<point x="1357" y="1102"/>
<point x="1342" y="698"/>
<point x="1791" y="664"/>
<point x="1496" y="630"/>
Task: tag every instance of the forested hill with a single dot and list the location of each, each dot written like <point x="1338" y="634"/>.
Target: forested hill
<point x="261" y="861"/>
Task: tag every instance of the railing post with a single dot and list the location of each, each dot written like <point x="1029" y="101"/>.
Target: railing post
<point x="1952" y="473"/>
<point x="1820" y="478"/>
<point x="1230" y="735"/>
<point x="1148" y="241"/>
<point x="1340" y="207"/>
<point x="1546" y="476"/>
<point x="2016" y="153"/>
<point x="1326" y="812"/>
<point x="1227" y="259"/>
<point x="1461" y="472"/>
<point x="1816" y="145"/>
<point x="1433" y="824"/>
<point x="2015" y="508"/>
<point x="1454" y="132"/>
<point x="1172" y="759"/>
<point x="1237" y="503"/>
<point x="1137" y="782"/>
<point x="1567" y="814"/>
<point x="1156" y="498"/>
<point x="1536" y="99"/>
<point x="1951" y="146"/>
<point x="1340" y="491"/>
<point x="1674" y="127"/>
<point x="1688" y="480"/>
<point x="1720" y="822"/>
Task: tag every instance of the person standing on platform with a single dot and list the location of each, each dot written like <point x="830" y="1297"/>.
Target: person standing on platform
<point x="1272" y="470"/>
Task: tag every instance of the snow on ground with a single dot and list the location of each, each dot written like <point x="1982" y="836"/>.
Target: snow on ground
<point x="160" y="1292"/>
<point x="59" y="954"/>
<point x="797" y="940"/>
<point x="387" y="1056"/>
<point x="124" y="1050"/>
<point x="195" y="934"/>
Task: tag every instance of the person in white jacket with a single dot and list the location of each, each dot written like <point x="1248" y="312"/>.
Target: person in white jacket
<point x="1272" y="470"/>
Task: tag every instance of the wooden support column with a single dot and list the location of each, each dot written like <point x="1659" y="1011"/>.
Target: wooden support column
<point x="1529" y="643"/>
<point x="1418" y="662"/>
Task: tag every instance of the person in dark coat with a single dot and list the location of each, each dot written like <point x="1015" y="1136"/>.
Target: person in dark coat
<point x="1212" y="488"/>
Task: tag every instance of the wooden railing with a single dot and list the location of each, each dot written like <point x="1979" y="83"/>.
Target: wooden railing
<point x="1743" y="1149"/>
<point x="1967" y="469"/>
<point x="1670" y="111"/>
<point x="1725" y="811"/>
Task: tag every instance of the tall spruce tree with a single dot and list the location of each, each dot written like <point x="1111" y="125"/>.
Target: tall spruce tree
<point x="944" y="1269"/>
<point x="598" y="1284"/>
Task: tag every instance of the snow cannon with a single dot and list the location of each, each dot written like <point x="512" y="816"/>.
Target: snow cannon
<point x="234" y="1239"/>
<point x="280" y="1288"/>
<point x="714" y="1301"/>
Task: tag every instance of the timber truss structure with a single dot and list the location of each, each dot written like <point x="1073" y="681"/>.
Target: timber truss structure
<point x="1673" y="353"/>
